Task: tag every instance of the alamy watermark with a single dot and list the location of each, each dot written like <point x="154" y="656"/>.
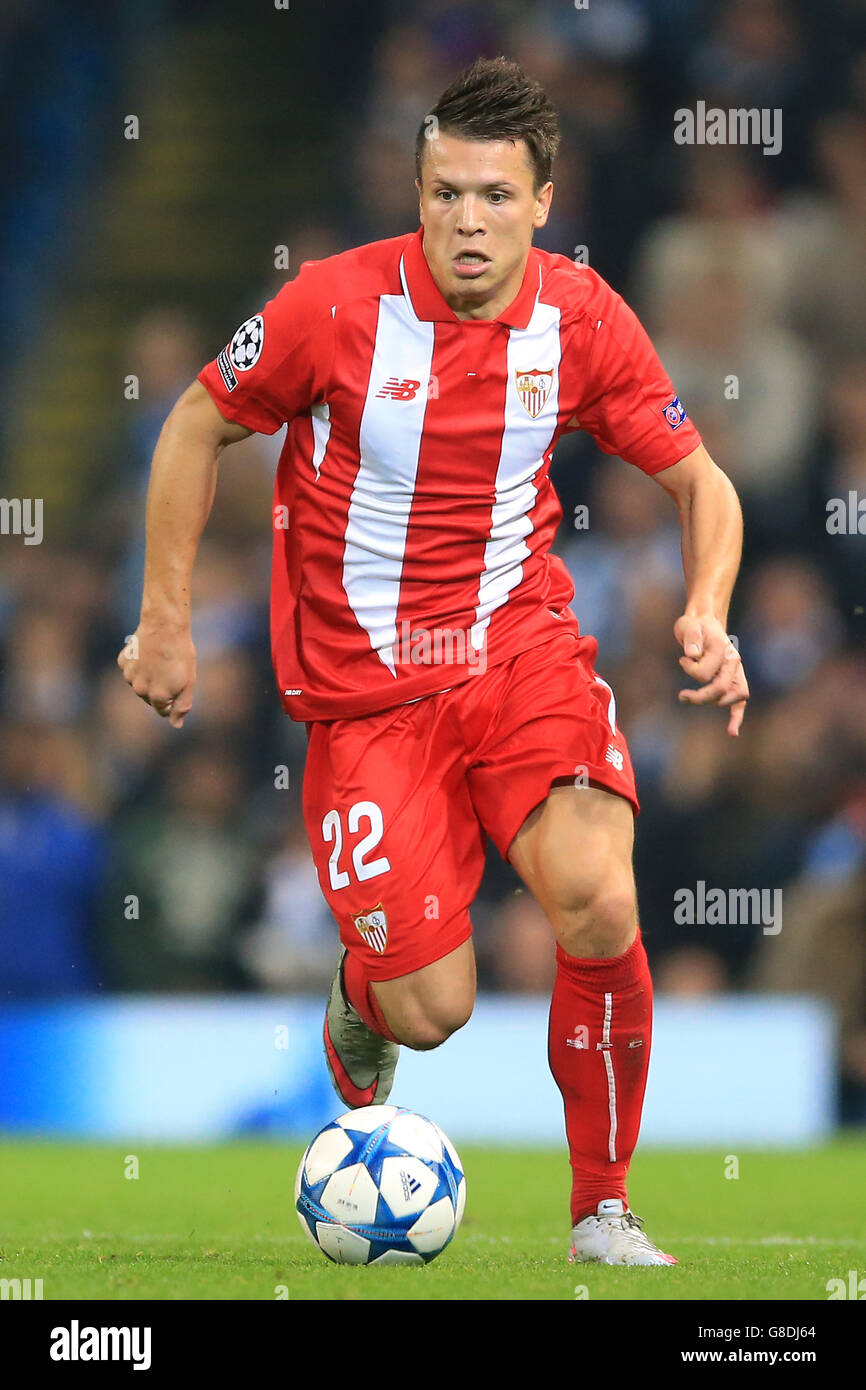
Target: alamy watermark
<point x="720" y="907"/>
<point x="854" y="1287"/>
<point x="20" y="1289"/>
<point x="77" y="1343"/>
<point x="736" y="126"/>
<point x="846" y="516"/>
<point x="437" y="646"/>
<point x="22" y="516"/>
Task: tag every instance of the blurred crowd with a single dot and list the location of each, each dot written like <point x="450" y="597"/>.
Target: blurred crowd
<point x="136" y="858"/>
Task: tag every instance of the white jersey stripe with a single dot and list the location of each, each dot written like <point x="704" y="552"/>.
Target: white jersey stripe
<point x="384" y="490"/>
<point x="321" y="433"/>
<point x="525" y="440"/>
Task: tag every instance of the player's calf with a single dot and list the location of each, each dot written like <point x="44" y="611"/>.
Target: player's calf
<point x="424" y="1008"/>
<point x="422" y="1030"/>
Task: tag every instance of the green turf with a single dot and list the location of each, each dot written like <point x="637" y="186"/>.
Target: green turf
<point x="218" y="1223"/>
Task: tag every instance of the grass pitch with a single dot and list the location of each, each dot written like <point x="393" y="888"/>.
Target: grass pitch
<point x="219" y="1223"/>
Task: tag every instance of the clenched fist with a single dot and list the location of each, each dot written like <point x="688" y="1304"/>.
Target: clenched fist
<point x="159" y="663"/>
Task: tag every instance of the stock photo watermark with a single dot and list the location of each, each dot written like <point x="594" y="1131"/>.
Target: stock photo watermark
<point x="853" y="1287"/>
<point x="732" y="907"/>
<point x="846" y="516"/>
<point x="737" y="126"/>
<point x="77" y="1343"/>
<point x="438" y="646"/>
<point x="22" y="516"/>
<point x="20" y="1290"/>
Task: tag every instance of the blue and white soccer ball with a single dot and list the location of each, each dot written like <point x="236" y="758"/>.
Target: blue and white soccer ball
<point x="380" y="1186"/>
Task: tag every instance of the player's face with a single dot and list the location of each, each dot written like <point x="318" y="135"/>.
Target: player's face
<point x="479" y="208"/>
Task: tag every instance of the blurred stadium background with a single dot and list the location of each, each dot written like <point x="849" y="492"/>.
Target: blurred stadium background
<point x="160" y="920"/>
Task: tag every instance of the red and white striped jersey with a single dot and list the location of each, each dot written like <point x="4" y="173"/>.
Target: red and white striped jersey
<point x="413" y="508"/>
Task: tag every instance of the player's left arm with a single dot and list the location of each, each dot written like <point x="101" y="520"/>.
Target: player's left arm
<point x="712" y="527"/>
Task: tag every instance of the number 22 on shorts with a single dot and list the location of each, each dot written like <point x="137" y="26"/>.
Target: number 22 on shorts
<point x="332" y="830"/>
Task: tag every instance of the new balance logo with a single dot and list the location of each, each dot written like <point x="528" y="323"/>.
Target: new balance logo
<point x="399" y="390"/>
<point x="410" y="1185"/>
<point x="613" y="755"/>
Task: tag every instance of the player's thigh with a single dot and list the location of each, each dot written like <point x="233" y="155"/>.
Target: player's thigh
<point x="398" y="847"/>
<point x="554" y="788"/>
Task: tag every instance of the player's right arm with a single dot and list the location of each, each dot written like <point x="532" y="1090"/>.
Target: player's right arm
<point x="158" y="661"/>
<point x="277" y="365"/>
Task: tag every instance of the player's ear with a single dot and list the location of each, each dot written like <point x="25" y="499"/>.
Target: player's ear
<point x="420" y="201"/>
<point x="543" y="199"/>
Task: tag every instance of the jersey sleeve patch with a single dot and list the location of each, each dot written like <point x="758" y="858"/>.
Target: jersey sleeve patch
<point x="225" y="370"/>
<point x="245" y="348"/>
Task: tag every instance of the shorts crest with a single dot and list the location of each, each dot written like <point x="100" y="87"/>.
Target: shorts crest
<point x="373" y="926"/>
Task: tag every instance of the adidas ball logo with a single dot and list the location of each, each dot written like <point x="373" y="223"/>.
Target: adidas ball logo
<point x="410" y="1185"/>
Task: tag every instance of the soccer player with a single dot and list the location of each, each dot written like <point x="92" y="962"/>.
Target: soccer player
<point x="421" y="627"/>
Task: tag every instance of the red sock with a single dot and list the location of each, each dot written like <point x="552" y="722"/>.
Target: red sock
<point x="599" y="1046"/>
<point x="356" y="987"/>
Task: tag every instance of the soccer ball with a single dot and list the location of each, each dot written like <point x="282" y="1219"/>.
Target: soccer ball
<point x="380" y="1186"/>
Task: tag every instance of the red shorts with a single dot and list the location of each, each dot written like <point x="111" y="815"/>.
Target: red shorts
<point x="398" y="805"/>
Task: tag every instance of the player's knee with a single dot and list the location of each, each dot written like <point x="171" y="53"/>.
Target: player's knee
<point x="597" y="918"/>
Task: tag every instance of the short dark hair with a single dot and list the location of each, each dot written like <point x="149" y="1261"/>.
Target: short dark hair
<point x="495" y="99"/>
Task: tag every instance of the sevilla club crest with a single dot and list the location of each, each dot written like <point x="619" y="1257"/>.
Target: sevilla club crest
<point x="533" y="388"/>
<point x="373" y="926"/>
